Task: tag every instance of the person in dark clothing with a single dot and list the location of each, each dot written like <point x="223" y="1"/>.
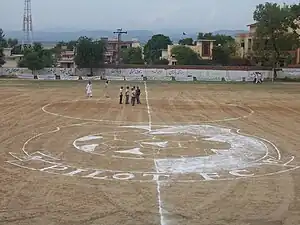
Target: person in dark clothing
<point x="138" y="93"/>
<point x="133" y="96"/>
<point x="127" y="95"/>
<point x="121" y="95"/>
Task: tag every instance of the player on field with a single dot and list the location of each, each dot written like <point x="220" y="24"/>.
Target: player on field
<point x="133" y="96"/>
<point x="89" y="89"/>
<point x="138" y="93"/>
<point x="106" y="89"/>
<point x="121" y="95"/>
<point x="127" y="92"/>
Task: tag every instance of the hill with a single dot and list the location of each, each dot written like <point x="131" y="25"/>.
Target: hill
<point x="142" y="35"/>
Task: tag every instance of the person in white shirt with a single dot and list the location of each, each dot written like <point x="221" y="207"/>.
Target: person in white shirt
<point x="89" y="89"/>
<point x="121" y="95"/>
<point x="133" y="96"/>
<point x="106" y="89"/>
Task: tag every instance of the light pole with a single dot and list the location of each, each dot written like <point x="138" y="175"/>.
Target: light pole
<point x="119" y="32"/>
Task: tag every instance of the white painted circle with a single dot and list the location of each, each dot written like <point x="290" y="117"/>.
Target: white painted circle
<point x="174" y="172"/>
<point x="44" y="109"/>
<point x="123" y="176"/>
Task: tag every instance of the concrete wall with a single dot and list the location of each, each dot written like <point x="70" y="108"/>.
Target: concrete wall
<point x="291" y="73"/>
<point x="140" y="74"/>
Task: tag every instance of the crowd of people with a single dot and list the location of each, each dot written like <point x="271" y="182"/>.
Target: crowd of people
<point x="132" y="94"/>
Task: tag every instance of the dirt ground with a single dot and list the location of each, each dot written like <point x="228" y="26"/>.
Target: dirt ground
<point x="50" y="176"/>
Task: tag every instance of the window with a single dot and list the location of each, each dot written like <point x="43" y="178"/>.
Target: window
<point x="205" y="48"/>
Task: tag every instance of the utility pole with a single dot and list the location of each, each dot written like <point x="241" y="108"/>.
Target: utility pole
<point x="119" y="32"/>
<point x="27" y="24"/>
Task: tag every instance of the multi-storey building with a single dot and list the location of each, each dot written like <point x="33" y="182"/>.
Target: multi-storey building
<point x="202" y="47"/>
<point x="245" y="44"/>
<point x="111" y="55"/>
<point x="66" y="59"/>
<point x="245" y="41"/>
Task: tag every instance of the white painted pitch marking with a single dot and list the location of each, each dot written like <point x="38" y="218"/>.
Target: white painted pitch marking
<point x="161" y="144"/>
<point x="148" y="107"/>
<point x="135" y="151"/>
<point x="89" y="138"/>
<point x="36" y="136"/>
<point x="160" y="210"/>
<point x="49" y="132"/>
<point x="124" y="122"/>
<point x="291" y="160"/>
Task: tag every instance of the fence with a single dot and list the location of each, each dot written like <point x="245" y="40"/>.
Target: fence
<point x="139" y="74"/>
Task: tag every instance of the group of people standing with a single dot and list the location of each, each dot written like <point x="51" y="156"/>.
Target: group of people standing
<point x="135" y="95"/>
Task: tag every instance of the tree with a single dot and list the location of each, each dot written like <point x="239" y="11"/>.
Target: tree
<point x="37" y="47"/>
<point x="220" y="39"/>
<point x="2" y="61"/>
<point x="3" y="42"/>
<point x="161" y="62"/>
<point x="132" y="56"/>
<point x="36" y="57"/>
<point x="204" y="36"/>
<point x="186" y="41"/>
<point x="273" y="36"/>
<point x="153" y="48"/>
<point x="17" y="49"/>
<point x="185" y="55"/>
<point x="33" y="61"/>
<point x="71" y="45"/>
<point x="12" y="42"/>
<point x="89" y="53"/>
<point x="221" y="55"/>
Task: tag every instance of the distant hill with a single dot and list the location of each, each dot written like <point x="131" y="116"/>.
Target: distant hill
<point x="229" y="32"/>
<point x="143" y="36"/>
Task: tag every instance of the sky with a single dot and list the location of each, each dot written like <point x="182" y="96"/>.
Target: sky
<point x="201" y="15"/>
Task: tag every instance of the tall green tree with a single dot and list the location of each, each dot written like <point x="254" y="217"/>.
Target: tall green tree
<point x="36" y="57"/>
<point x="3" y="41"/>
<point x="220" y="39"/>
<point x="154" y="46"/>
<point x="132" y="56"/>
<point x="185" y="55"/>
<point x="33" y="61"/>
<point x="186" y="41"/>
<point x="71" y="45"/>
<point x="12" y="42"/>
<point x="90" y="53"/>
<point x="2" y="61"/>
<point x="275" y="32"/>
<point x="37" y="47"/>
<point x="221" y="55"/>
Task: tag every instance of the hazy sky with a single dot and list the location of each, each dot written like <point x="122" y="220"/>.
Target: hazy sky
<point x="202" y="15"/>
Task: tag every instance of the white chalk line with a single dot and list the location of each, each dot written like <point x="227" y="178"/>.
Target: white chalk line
<point x="48" y="132"/>
<point x="126" y="122"/>
<point x="148" y="107"/>
<point x="292" y="167"/>
<point x="159" y="201"/>
<point x="179" y="181"/>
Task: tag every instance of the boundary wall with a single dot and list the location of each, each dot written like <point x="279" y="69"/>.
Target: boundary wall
<point x="139" y="74"/>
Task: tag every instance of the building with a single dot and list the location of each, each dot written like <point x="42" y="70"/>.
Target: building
<point x="245" y="41"/>
<point x="245" y="44"/>
<point x="67" y="57"/>
<point x="111" y="54"/>
<point x="202" y="47"/>
<point x="11" y="60"/>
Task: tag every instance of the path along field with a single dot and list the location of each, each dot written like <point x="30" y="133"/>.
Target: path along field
<point x="209" y="154"/>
